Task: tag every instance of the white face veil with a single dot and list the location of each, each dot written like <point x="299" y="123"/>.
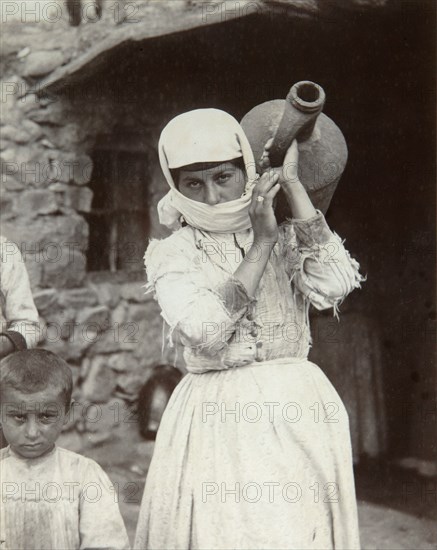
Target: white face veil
<point x="199" y="136"/>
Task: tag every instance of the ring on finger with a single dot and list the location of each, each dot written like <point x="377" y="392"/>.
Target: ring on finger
<point x="260" y="198"/>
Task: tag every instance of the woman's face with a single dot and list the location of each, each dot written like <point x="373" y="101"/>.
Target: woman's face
<point x="212" y="185"/>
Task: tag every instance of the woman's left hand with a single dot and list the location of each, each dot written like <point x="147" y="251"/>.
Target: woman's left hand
<point x="288" y="173"/>
<point x="288" y="176"/>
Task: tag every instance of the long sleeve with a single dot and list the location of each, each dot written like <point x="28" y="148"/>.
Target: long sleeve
<point x="317" y="262"/>
<point x="204" y="311"/>
<point x="18" y="308"/>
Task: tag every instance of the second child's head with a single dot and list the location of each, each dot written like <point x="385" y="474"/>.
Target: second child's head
<point x="35" y="398"/>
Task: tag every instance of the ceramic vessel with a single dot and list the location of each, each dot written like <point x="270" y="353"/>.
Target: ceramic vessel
<point x="322" y="147"/>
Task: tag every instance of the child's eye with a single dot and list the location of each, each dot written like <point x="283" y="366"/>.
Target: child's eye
<point x="47" y="418"/>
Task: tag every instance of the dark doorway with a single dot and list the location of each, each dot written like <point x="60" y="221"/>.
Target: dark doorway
<point x="119" y="217"/>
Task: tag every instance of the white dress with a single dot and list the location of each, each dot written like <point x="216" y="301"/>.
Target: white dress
<point x="253" y="450"/>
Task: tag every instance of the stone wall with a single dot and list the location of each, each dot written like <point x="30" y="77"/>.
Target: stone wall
<point x="102" y="323"/>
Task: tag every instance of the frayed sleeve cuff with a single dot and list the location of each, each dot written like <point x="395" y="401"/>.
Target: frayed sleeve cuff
<point x="312" y="231"/>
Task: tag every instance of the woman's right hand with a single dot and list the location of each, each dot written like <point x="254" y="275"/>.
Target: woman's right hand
<point x="262" y="215"/>
<point x="265" y="232"/>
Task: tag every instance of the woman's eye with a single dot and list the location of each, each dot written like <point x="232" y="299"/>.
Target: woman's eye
<point x="194" y="184"/>
<point x="223" y="178"/>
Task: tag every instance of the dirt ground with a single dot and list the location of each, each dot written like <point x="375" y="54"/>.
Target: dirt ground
<point x="397" y="510"/>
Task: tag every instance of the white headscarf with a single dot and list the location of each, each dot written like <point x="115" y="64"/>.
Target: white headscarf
<point x="204" y="135"/>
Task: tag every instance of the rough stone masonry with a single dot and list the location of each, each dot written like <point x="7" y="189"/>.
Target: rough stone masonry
<point x="101" y="323"/>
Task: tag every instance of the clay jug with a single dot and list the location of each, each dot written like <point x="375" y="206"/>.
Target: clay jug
<point x="322" y="147"/>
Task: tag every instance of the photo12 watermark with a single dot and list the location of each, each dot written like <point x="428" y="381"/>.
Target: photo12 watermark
<point x="270" y="411"/>
<point x="253" y="492"/>
<point x="73" y="11"/>
<point x="51" y="492"/>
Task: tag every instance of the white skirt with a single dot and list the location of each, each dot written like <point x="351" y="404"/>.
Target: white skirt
<point x="255" y="457"/>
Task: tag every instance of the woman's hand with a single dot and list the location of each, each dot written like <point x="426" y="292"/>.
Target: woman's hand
<point x="265" y="232"/>
<point x="288" y="173"/>
<point x="262" y="215"/>
<point x="288" y="176"/>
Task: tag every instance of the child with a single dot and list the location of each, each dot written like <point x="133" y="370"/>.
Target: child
<point x="51" y="497"/>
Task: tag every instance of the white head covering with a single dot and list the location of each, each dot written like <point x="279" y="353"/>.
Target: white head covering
<point x="204" y="135"/>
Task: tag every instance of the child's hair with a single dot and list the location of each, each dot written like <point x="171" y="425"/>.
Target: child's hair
<point x="237" y="162"/>
<point x="34" y="370"/>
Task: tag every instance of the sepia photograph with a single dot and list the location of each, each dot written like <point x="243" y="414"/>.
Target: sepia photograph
<point x="218" y="275"/>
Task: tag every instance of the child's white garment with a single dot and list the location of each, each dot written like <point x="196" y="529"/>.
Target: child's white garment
<point x="61" y="500"/>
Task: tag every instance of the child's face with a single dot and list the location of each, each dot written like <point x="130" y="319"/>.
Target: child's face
<point x="222" y="183"/>
<point x="32" y="422"/>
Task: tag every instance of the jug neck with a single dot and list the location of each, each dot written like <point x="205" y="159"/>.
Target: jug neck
<point x="302" y="106"/>
<point x="308" y="98"/>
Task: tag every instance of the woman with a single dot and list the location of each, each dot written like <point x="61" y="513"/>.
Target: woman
<point x="253" y="450"/>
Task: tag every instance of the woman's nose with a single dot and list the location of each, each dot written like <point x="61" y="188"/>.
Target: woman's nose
<point x="211" y="193"/>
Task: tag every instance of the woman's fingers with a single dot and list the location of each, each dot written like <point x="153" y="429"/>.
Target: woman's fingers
<point x="265" y="191"/>
<point x="266" y="182"/>
<point x="262" y="200"/>
<point x="268" y="198"/>
<point x="268" y="144"/>
<point x="273" y="192"/>
<point x="289" y="169"/>
<point x="265" y="159"/>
